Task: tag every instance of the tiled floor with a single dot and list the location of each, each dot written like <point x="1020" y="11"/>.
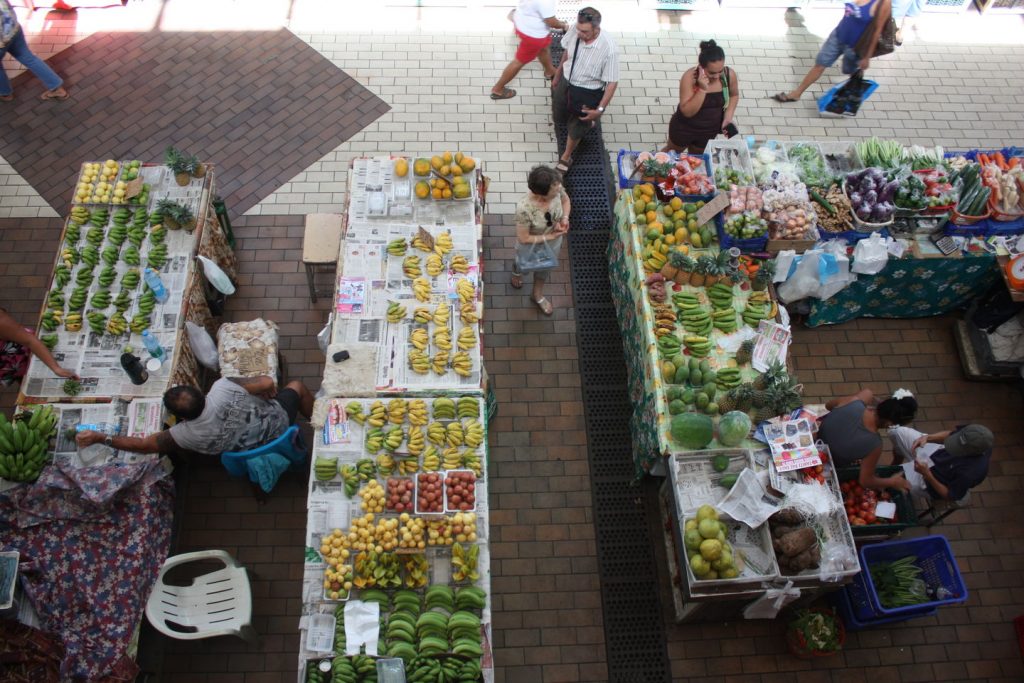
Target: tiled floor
<point x="957" y="82"/>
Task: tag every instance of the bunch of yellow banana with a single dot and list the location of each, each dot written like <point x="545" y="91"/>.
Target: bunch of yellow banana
<point x="431" y="460"/>
<point x="474" y="433"/>
<point x="471" y="461"/>
<point x="442" y="314"/>
<point x="451" y="459"/>
<point x="418" y="338"/>
<point x="435" y="266"/>
<point x="396" y="411"/>
<point x="396" y="312"/>
<point x="385" y="464"/>
<point x="393" y="438"/>
<point x="409" y="466"/>
<point x="465" y="289"/>
<point x="374" y="440"/>
<point x="419" y="361"/>
<point x="468" y="407"/>
<point x="417" y="440"/>
<point x="397" y="247"/>
<point x="468" y="314"/>
<point x="417" y="412"/>
<point x="462" y="364"/>
<point x="443" y="243"/>
<point x="440" y="363"/>
<point x="443" y="339"/>
<point x="444" y="408"/>
<point x="467" y="338"/>
<point x="664" y="320"/>
<point x="418" y="243"/>
<point x="422" y="315"/>
<point x="378" y="414"/>
<point x="411" y="266"/>
<point x="654" y="262"/>
<point x="117" y="325"/>
<point x="73" y="323"/>
<point x="354" y="409"/>
<point x="459" y="264"/>
<point x="454" y="435"/>
<point x="421" y="289"/>
<point x="436" y="433"/>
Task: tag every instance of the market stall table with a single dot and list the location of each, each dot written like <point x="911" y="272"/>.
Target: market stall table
<point x="99" y="303"/>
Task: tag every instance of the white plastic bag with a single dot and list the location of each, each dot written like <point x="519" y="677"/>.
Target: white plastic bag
<point x="804" y="281"/>
<point x="771" y="603"/>
<point x="871" y="254"/>
<point x="362" y="627"/>
<point x="834" y="269"/>
<point x="202" y="346"/>
<point x="217" y="277"/>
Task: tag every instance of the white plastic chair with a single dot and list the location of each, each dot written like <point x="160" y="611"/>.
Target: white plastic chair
<point x="215" y="604"/>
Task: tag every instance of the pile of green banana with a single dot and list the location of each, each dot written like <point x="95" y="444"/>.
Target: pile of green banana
<point x="130" y="280"/>
<point x="49" y="341"/>
<point x="720" y="295"/>
<point x="350" y="479"/>
<point x="77" y="300"/>
<point x="123" y="301"/>
<point x="757" y="309"/>
<point x="111" y="254"/>
<point x="324" y="469"/>
<point x="727" y="378"/>
<point x="56" y="299"/>
<point x="443" y="671"/>
<point x="138" y="323"/>
<point x="157" y="256"/>
<point x="393" y="439"/>
<point x="100" y="299"/>
<point x="51" y="319"/>
<point x="97" y="321"/>
<point x="397" y="247"/>
<point x="668" y="346"/>
<point x="73" y="234"/>
<point x="95" y="236"/>
<point x="119" y="232"/>
<point x="357" y="669"/>
<point x="90" y="255"/>
<point x="366" y="469"/>
<point x="24" y="444"/>
<point x="696" y="320"/>
<point x="724" y="320"/>
<point x="156" y="218"/>
<point x="699" y="345"/>
<point x="84" y="277"/>
<point x="147" y="302"/>
<point x="131" y="255"/>
<point x="157" y="235"/>
<point x="396" y="312"/>
<point x="70" y="257"/>
<point x="107" y="276"/>
<point x="62" y="275"/>
<point x="98" y="217"/>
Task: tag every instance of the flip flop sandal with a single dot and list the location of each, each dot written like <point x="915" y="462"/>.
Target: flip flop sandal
<point x="563" y="165"/>
<point x="7" y="98"/>
<point x="505" y="94"/>
<point x="784" y="98"/>
<point x="51" y="96"/>
<point x="519" y="278"/>
<point x="544" y="305"/>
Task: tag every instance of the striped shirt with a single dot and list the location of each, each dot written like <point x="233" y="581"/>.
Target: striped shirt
<point x="598" y="62"/>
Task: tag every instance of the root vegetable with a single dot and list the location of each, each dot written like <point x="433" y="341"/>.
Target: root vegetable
<point x="796" y="542"/>
<point x="790" y="516"/>
<point x="808" y="559"/>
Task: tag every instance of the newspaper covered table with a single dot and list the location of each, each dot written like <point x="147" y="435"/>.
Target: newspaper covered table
<point x="392" y="281"/>
<point x="331" y="508"/>
<point x="114" y="288"/>
<point x="649" y="389"/>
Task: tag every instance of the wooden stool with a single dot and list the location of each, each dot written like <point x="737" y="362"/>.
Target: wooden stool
<point x="320" y="245"/>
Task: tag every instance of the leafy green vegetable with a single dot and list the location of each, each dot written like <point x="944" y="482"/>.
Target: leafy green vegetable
<point x="880" y="153"/>
<point x="810" y="165"/>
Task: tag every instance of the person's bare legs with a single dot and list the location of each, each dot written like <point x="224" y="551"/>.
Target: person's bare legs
<point x="544" y="57"/>
<point x="813" y="75"/>
<point x="305" y="398"/>
<point x="510" y="72"/>
<point x="538" y="294"/>
<point x="570" y="146"/>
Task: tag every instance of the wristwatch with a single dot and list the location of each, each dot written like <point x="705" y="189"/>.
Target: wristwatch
<point x="601" y="109"/>
<point x="108" y="441"/>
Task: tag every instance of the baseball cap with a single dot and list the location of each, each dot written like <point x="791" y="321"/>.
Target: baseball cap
<point x="971" y="440"/>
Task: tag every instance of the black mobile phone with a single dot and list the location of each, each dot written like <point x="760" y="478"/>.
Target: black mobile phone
<point x="731" y="131"/>
<point x="340" y="356"/>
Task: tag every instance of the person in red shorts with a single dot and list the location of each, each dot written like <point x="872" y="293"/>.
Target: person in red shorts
<point x="533" y="20"/>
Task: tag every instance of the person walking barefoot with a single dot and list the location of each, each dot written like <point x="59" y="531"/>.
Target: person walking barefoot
<point x="533" y="20"/>
<point x="12" y="41"/>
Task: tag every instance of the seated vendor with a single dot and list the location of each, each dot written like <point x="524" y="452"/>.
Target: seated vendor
<point x="851" y="432"/>
<point x="948" y="471"/>
<point x="237" y="415"/>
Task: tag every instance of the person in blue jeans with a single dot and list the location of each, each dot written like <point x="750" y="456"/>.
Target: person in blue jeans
<point x="858" y="16"/>
<point x="12" y="40"/>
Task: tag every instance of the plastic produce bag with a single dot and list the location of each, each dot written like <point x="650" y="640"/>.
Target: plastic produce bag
<point x="362" y="627"/>
<point x="323" y="337"/>
<point x="804" y="280"/>
<point x="834" y="270"/>
<point x="217" y="277"/>
<point x="202" y="345"/>
<point x="871" y="254"/>
<point x="836" y="558"/>
<point x="771" y="603"/>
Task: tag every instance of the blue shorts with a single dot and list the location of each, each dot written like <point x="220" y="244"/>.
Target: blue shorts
<point x="833" y="49"/>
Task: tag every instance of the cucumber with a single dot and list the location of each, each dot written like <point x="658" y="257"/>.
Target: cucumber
<point x="981" y="203"/>
<point x="821" y="200"/>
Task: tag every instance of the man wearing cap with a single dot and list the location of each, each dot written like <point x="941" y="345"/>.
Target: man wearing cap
<point x="947" y="471"/>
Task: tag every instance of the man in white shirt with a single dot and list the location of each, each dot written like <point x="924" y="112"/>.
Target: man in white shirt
<point x="533" y="20"/>
<point x="585" y="81"/>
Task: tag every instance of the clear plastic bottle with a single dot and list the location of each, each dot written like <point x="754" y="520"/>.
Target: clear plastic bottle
<point x="152" y="344"/>
<point x="155" y="284"/>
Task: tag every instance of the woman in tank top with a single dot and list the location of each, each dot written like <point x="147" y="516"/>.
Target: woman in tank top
<point x="851" y="432"/>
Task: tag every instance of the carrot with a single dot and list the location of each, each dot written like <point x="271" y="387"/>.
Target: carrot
<point x="983" y="159"/>
<point x="1001" y="161"/>
<point x="1014" y="162"/>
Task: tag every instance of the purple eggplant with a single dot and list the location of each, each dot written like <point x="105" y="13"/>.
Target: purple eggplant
<point x="853" y="180"/>
<point x="878" y="214"/>
<point x="856" y="198"/>
<point x="863" y="212"/>
<point x="889" y="191"/>
<point x="871" y="197"/>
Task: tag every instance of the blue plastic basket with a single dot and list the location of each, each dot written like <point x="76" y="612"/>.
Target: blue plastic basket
<point x="827" y="98"/>
<point x="979" y="229"/>
<point x="725" y="241"/>
<point x="844" y="600"/>
<point x="1014" y="227"/>
<point x="934" y="557"/>
<point x="851" y="236"/>
<point x="625" y="181"/>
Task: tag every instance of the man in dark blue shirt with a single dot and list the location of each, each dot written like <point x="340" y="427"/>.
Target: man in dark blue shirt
<point x="948" y="471"/>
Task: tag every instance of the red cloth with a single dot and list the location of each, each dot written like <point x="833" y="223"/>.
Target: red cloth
<point x="529" y="47"/>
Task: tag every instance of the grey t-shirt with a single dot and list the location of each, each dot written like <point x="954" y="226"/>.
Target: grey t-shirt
<point x="232" y="420"/>
<point x="847" y="438"/>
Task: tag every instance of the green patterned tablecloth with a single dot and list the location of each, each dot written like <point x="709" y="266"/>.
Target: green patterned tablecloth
<point x="909" y="288"/>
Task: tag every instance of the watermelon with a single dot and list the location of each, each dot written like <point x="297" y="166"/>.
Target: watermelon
<point x="692" y="431"/>
<point x="733" y="428"/>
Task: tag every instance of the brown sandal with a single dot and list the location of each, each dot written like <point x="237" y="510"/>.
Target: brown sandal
<point x="544" y="305"/>
<point x="517" y="281"/>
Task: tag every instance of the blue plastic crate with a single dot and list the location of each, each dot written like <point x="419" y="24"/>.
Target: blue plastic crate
<point x="934" y="557"/>
<point x="749" y="246"/>
<point x="979" y="229"/>
<point x="827" y="98"/>
<point x="851" y="236"/>
<point x="843" y="601"/>
<point x="625" y="181"/>
<point x="1014" y="227"/>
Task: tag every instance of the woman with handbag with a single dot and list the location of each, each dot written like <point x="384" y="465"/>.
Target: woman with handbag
<point x="855" y="39"/>
<point x="708" y="95"/>
<point x="542" y="218"/>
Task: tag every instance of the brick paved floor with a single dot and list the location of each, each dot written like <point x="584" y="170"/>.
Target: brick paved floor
<point x="548" y="623"/>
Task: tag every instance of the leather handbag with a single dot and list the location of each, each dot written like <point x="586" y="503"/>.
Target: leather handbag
<point x="886" y="39"/>
<point x="578" y="97"/>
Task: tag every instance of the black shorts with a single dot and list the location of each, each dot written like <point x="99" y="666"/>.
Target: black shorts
<point x="289" y="400"/>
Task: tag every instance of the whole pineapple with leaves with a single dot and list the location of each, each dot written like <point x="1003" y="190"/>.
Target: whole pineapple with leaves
<point x="182" y="165"/>
<point x="779" y="399"/>
<point x="744" y="396"/>
<point x="767" y="403"/>
<point x="745" y="352"/>
<point x="764" y="275"/>
<point x="770" y="377"/>
<point x="175" y="215"/>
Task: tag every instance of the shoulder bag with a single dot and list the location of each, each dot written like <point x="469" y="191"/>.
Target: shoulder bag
<point x="578" y="97"/>
<point x="886" y="39"/>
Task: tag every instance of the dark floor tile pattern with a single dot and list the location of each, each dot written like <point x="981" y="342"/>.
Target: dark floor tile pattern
<point x="262" y="105"/>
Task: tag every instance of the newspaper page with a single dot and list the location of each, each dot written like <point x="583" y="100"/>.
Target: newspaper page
<point x="770" y="346"/>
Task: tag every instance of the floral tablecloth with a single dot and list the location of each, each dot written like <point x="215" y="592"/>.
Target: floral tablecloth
<point x="909" y="288"/>
<point x="92" y="542"/>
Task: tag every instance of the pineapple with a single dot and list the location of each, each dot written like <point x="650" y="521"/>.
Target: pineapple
<point x="763" y="276"/>
<point x="728" y="402"/>
<point x="725" y="270"/>
<point x="176" y="216"/>
<point x="744" y="396"/>
<point x="713" y="269"/>
<point x="745" y="353"/>
<point x="698" y="274"/>
<point x="181" y="164"/>
<point x="775" y="373"/>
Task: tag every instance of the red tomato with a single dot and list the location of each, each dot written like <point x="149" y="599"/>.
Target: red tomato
<point x="870" y="518"/>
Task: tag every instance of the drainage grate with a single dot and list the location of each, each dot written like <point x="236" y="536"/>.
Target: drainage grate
<point x="635" y="642"/>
